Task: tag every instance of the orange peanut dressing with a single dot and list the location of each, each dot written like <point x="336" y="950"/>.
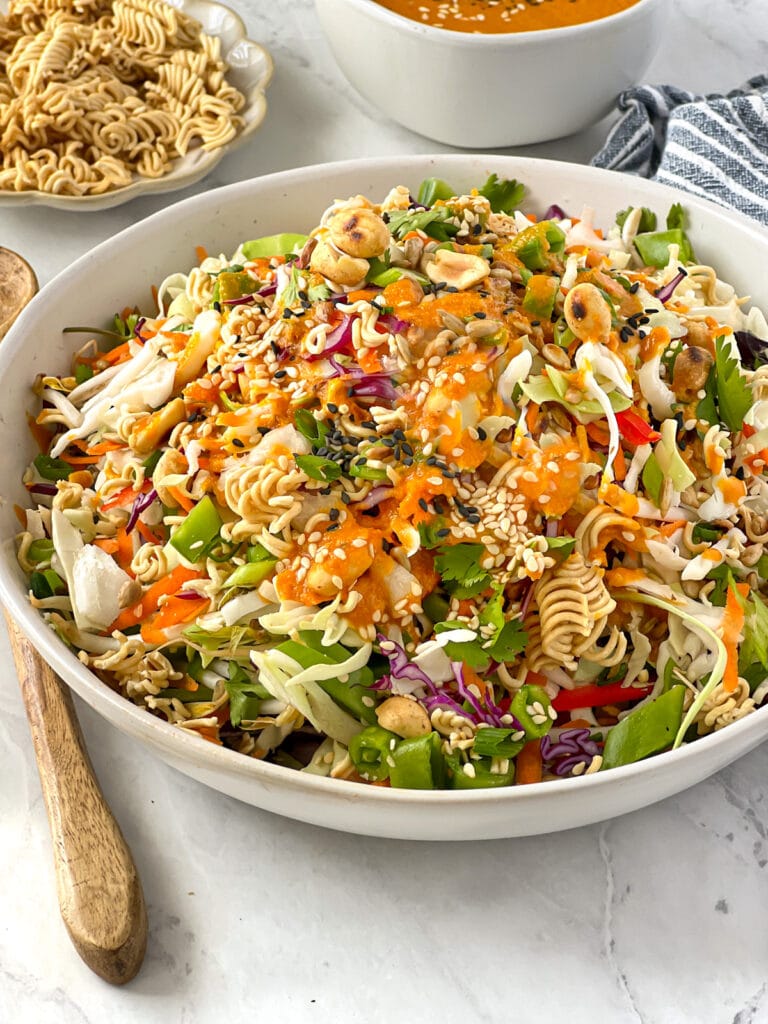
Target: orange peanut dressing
<point x="494" y="16"/>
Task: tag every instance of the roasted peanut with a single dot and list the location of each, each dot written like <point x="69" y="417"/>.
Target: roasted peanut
<point x="338" y="267"/>
<point x="403" y="717"/>
<point x="460" y="270"/>
<point x="587" y="313"/>
<point x="691" y="371"/>
<point x="359" y="232"/>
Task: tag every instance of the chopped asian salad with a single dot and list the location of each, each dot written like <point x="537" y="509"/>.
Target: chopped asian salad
<point x="443" y="495"/>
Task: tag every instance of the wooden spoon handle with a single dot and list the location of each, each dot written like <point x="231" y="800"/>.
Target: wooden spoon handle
<point x="100" y="894"/>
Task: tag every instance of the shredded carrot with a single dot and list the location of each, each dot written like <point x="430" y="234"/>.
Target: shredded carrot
<point x="175" y="612"/>
<point x="598" y="433"/>
<point x="581" y="437"/>
<point x="667" y="529"/>
<point x="528" y="765"/>
<point x="532" y="416"/>
<point x="21" y="515"/>
<point x="77" y="460"/>
<point x="733" y="624"/>
<point x="119" y="354"/>
<point x="619" y="465"/>
<point x="108" y="544"/>
<point x="148" y="603"/>
<point x="201" y="252"/>
<point x="103" y="447"/>
<point x="124" y="549"/>
<point x="184" y="502"/>
<point x="121" y="498"/>
<point x="210" y="733"/>
<point x="147" y="534"/>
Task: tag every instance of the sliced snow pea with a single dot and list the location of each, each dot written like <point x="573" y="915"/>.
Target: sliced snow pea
<point x="481" y="778"/>
<point x="371" y="752"/>
<point x="653" y="247"/>
<point x="251" y="574"/>
<point x="273" y="245"/>
<point x="200" y="527"/>
<point x="524" y="708"/>
<point x="647" y="730"/>
<point x="432" y="189"/>
<point x="418" y="763"/>
<point x="354" y="694"/>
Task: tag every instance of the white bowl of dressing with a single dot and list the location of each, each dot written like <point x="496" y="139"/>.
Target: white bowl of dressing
<point x="477" y="90"/>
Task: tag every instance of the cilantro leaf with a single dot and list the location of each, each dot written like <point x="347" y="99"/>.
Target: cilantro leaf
<point x="290" y="294"/>
<point x="734" y="397"/>
<point x="318" y="292"/>
<point x="433" y="222"/>
<point x="722" y="576"/>
<point x="459" y="567"/>
<point x="493" y="613"/>
<point x="428" y="533"/>
<point x="245" y="695"/>
<point x="314" y="430"/>
<point x="561" y="545"/>
<point x="317" y="467"/>
<point x="647" y="219"/>
<point x="509" y="642"/>
<point x="707" y="407"/>
<point x="504" y="195"/>
<point x="471" y="652"/>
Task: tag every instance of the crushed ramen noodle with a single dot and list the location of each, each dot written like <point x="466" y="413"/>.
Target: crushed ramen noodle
<point x="96" y="93"/>
<point x="442" y="495"/>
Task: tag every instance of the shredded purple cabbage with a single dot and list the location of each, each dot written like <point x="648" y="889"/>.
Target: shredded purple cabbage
<point x="339" y="339"/>
<point x="665" y="293"/>
<point x="570" y="748"/>
<point x="375" y="496"/>
<point x="400" y="666"/>
<point x="242" y="301"/>
<point x="268" y="289"/>
<point x="555" y="212"/>
<point x="375" y="385"/>
<point x="47" y="489"/>
<point x="392" y="323"/>
<point x="751" y="348"/>
<point x="487" y="712"/>
<point x="137" y="328"/>
<point x="140" y="504"/>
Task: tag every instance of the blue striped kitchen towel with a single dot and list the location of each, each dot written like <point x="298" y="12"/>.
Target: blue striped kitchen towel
<point x="713" y="146"/>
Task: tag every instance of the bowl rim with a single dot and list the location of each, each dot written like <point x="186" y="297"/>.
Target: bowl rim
<point x="434" y="33"/>
<point x="156" y="732"/>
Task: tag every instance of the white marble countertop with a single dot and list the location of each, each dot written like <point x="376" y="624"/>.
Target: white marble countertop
<point x="658" y="917"/>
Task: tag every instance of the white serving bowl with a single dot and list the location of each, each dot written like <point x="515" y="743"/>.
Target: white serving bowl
<point x="481" y="91"/>
<point x="120" y="272"/>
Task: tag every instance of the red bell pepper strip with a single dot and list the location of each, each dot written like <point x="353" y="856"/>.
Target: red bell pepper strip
<point x="592" y="696"/>
<point x="634" y="429"/>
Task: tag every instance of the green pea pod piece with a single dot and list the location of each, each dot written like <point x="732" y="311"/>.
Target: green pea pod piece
<point x="648" y="730"/>
<point x="653" y="247"/>
<point x="540" y="294"/>
<point x="482" y="778"/>
<point x="418" y="763"/>
<point x="197" y="531"/>
<point x="353" y="695"/>
<point x="273" y="245"/>
<point x="527" y="697"/>
<point x="234" y="286"/>
<point x="371" y="752"/>
<point x="251" y="574"/>
<point x="384" y="277"/>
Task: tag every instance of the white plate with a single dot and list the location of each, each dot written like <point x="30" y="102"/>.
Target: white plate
<point x="120" y="271"/>
<point x="250" y="71"/>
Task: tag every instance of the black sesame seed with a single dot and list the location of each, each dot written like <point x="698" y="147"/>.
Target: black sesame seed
<point x="238" y="443"/>
<point x="333" y="526"/>
<point x="508" y="310"/>
<point x="264" y="430"/>
<point x="333" y="515"/>
<point x="481" y="434"/>
<point x="303" y="294"/>
<point x="474" y="519"/>
<point x="332" y="407"/>
<point x="451" y="288"/>
<point x="388" y="442"/>
<point x="287" y="314"/>
<point x="535" y="323"/>
<point x="423" y="505"/>
<point x="480" y="316"/>
<point x="444" y="532"/>
<point x="217" y="306"/>
<point x="345" y="498"/>
<point x="361" y="461"/>
<point x="477" y="229"/>
<point x="408" y="461"/>
<point x="739" y="474"/>
<point x="324" y="490"/>
<point x="367" y="424"/>
<point x="398" y="434"/>
<point x="407" y="448"/>
<point x="625" y="333"/>
<point x="432" y="460"/>
<point x="279" y="374"/>
<point x="438" y="505"/>
<point x="633" y="288"/>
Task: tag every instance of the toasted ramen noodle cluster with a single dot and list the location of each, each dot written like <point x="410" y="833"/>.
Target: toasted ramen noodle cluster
<point x="94" y="94"/>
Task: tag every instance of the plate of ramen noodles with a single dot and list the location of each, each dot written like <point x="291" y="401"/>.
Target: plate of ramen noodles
<point x="103" y="101"/>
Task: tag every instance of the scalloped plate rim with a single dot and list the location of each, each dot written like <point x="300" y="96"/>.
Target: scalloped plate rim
<point x="180" y="177"/>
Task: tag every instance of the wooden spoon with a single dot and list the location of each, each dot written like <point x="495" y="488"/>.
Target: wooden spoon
<point x="99" y="890"/>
